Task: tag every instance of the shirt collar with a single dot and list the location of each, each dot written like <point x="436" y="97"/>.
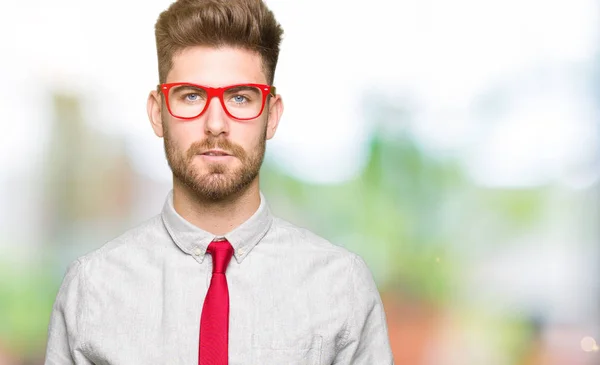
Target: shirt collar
<point x="194" y="241"/>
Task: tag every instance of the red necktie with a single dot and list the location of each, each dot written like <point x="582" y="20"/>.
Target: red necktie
<point x="214" y="322"/>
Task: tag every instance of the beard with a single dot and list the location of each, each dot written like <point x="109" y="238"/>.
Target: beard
<point x="221" y="181"/>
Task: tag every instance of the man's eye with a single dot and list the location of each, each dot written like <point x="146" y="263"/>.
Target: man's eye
<point x="192" y="97"/>
<point x="239" y="99"/>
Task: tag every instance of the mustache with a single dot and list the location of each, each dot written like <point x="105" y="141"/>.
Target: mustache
<point x="198" y="147"/>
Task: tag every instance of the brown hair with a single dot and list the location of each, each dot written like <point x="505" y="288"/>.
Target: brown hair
<point x="247" y="24"/>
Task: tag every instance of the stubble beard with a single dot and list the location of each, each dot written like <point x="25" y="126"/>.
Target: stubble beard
<point x="221" y="181"/>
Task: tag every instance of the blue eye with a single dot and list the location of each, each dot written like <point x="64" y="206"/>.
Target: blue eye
<point x="239" y="99"/>
<point x="192" y="97"/>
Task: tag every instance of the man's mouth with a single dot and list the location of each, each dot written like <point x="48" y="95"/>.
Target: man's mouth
<point x="215" y="153"/>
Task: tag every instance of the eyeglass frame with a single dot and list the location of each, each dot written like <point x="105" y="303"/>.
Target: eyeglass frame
<point x="218" y="92"/>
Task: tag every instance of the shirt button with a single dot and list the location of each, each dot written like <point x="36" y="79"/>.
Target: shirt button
<point x="197" y="251"/>
<point x="240" y="252"/>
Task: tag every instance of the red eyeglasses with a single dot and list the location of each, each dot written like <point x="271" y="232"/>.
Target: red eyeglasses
<point x="242" y="101"/>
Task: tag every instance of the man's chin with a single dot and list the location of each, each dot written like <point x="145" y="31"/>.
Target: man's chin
<point x="204" y="167"/>
<point x="212" y="189"/>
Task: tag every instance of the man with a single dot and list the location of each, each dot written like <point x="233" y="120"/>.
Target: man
<point x="168" y="291"/>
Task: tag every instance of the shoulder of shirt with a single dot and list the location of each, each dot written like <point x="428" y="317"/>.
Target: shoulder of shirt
<point x="132" y="238"/>
<point x="310" y="239"/>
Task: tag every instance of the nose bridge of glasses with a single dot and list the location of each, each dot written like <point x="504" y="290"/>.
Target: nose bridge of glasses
<point x="215" y="96"/>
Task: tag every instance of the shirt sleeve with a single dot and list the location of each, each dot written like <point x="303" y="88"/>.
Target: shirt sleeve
<point x="64" y="330"/>
<point x="367" y="341"/>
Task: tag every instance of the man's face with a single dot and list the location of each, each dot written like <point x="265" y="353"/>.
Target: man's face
<point x="212" y="178"/>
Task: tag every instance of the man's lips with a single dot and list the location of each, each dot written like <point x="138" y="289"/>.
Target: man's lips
<point x="215" y="153"/>
<point x="215" y="156"/>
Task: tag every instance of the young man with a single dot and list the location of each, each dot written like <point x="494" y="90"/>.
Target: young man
<point x="168" y="291"/>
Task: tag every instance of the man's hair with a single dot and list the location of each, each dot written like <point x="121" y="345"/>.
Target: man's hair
<point x="247" y="24"/>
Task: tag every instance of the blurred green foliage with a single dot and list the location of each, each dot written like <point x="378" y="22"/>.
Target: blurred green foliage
<point x="27" y="293"/>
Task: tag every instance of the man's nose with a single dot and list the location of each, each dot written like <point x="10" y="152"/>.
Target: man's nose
<point x="216" y="119"/>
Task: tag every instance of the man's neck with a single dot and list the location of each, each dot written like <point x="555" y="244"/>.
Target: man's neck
<point x="217" y="218"/>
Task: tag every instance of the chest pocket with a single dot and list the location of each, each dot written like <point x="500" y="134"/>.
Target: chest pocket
<point x="272" y="350"/>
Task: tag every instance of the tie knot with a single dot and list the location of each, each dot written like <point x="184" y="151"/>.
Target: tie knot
<point x="221" y="252"/>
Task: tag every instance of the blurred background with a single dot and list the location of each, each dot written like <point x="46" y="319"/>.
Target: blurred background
<point x="455" y="145"/>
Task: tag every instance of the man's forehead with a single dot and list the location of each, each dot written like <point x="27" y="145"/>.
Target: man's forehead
<point x="217" y="66"/>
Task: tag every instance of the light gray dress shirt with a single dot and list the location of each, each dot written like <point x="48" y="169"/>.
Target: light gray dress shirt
<point x="295" y="298"/>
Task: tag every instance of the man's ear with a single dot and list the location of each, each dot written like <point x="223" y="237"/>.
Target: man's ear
<point x="275" y="112"/>
<point x="154" y="108"/>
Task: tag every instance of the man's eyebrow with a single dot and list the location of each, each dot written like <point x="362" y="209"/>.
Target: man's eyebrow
<point x="242" y="88"/>
<point x="184" y="88"/>
<point x="188" y="86"/>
